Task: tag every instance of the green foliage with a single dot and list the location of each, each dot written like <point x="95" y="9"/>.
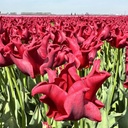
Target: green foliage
<point x="18" y="109"/>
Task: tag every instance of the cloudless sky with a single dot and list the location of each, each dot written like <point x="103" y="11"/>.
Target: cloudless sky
<point x="66" y="6"/>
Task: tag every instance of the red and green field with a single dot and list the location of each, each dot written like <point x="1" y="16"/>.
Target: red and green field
<point x="63" y="71"/>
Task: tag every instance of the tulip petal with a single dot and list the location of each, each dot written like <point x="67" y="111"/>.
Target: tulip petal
<point x="51" y="75"/>
<point x="95" y="79"/>
<point x="69" y="74"/>
<point x="74" y="105"/>
<point x="77" y="107"/>
<point x="24" y="66"/>
<point x="92" y="112"/>
<point x="77" y="86"/>
<point x="5" y="61"/>
<point x="125" y="84"/>
<point x="52" y="91"/>
<point x="52" y="111"/>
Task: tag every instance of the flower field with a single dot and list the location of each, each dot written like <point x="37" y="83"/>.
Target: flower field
<point x="63" y="71"/>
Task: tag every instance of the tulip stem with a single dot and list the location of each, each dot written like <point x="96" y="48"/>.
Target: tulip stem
<point x="81" y="73"/>
<point x="47" y="118"/>
<point x="81" y="123"/>
<point x="76" y="125"/>
<point x="13" y="84"/>
<point x="112" y="87"/>
<point x="0" y="123"/>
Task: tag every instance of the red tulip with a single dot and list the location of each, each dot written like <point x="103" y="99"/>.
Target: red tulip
<point x="34" y="58"/>
<point x="70" y="97"/>
<point x="5" y="59"/>
<point x="104" y="33"/>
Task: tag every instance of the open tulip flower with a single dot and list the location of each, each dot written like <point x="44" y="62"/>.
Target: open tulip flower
<point x="30" y="59"/>
<point x="71" y="97"/>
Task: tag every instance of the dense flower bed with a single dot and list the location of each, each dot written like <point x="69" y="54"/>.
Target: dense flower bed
<point x="63" y="47"/>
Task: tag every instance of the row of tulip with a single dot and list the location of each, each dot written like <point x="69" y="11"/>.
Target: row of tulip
<point x="61" y="47"/>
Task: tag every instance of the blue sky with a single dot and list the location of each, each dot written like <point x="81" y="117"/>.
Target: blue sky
<point x="66" y="6"/>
